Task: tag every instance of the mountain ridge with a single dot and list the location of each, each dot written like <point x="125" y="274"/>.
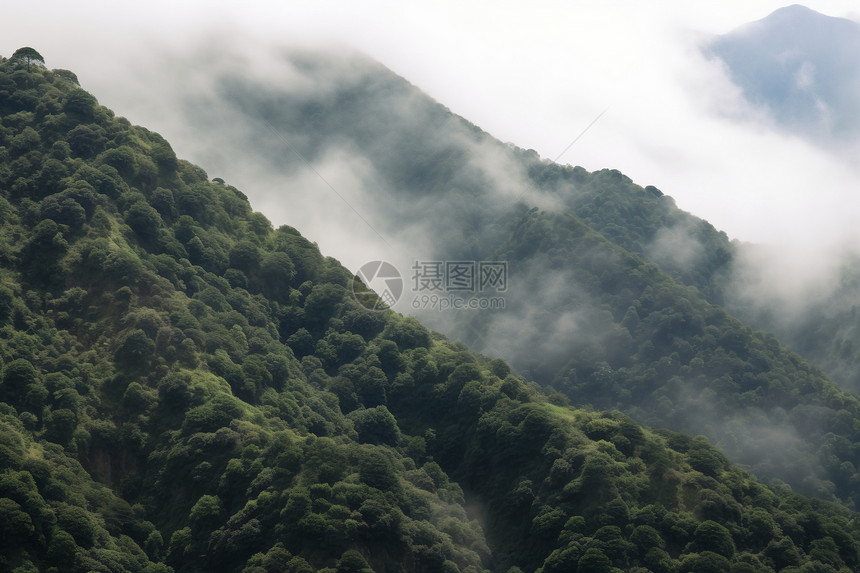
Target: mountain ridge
<point x="186" y="388"/>
<point x="578" y="308"/>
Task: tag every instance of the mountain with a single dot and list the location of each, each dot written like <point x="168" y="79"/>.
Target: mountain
<point x="615" y="297"/>
<point x="802" y="67"/>
<point x="186" y="388"/>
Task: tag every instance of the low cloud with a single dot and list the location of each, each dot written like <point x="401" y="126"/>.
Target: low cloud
<point x="534" y="75"/>
<point x="675" y="248"/>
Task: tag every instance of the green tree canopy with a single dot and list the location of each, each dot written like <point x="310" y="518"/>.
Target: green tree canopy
<point x="30" y="56"/>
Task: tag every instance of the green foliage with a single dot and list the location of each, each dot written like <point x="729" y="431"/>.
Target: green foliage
<point x="29" y="56"/>
<point x="18" y="376"/>
<point x="206" y="513"/>
<point x="135" y="351"/>
<point x="353" y="562"/>
<point x="711" y="536"/>
<point x="80" y="105"/>
<point x="185" y="388"/>
<point x="86" y="141"/>
<point x="376" y="426"/>
<point x="657" y="350"/>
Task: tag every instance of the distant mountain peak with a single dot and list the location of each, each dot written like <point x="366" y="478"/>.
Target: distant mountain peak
<point x="812" y="26"/>
<point x="802" y="66"/>
<point x="794" y="10"/>
<point x="801" y="11"/>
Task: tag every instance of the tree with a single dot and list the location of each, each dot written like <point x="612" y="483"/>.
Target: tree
<point x="28" y="140"/>
<point x="826" y="551"/>
<point x="711" y="536"/>
<point x="60" y="426"/>
<point x="64" y="210"/>
<point x="154" y="544"/>
<point x="145" y="221"/>
<point x="86" y="140"/>
<point x="371" y="387"/>
<point x="67" y="76"/>
<point x="206" y="513"/>
<point x="245" y="256"/>
<point x="80" y="105"/>
<point x="163" y="202"/>
<point x="62" y="548"/>
<point x="782" y="552"/>
<point x="705" y="562"/>
<point x="120" y="158"/>
<point x="78" y="522"/>
<point x="376" y="471"/>
<point x="135" y="351"/>
<point x="30" y="56"/>
<point x="594" y="561"/>
<point x="42" y="252"/>
<point x="6" y="298"/>
<point x="560" y="561"/>
<point x="276" y="272"/>
<point x="645" y="537"/>
<point x="301" y="342"/>
<point x="17" y="376"/>
<point x="407" y="333"/>
<point x="353" y="562"/>
<point x="136" y="399"/>
<point x="708" y="460"/>
<point x="164" y="157"/>
<point x="15" y="525"/>
<point x="376" y="426"/>
<point x="321" y="302"/>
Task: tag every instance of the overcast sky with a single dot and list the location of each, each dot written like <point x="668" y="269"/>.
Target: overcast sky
<point x="532" y="73"/>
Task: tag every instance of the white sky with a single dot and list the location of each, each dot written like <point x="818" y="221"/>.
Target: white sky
<point x="532" y="73"/>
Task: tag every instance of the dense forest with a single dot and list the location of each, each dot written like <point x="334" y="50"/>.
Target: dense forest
<point x="186" y="388"/>
<point x="616" y="297"/>
<point x="826" y="330"/>
<point x="660" y="349"/>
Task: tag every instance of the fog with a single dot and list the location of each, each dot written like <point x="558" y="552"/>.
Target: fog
<point x="668" y="116"/>
<point x="534" y="75"/>
<point x="283" y="104"/>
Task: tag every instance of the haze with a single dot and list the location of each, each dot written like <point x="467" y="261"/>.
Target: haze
<point x="534" y="74"/>
<point x="394" y="177"/>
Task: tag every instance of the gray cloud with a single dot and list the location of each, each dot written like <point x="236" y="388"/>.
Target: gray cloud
<point x="675" y="248"/>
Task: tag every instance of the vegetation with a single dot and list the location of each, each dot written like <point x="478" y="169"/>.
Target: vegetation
<point x="616" y="297"/>
<point x="826" y="330"/>
<point x="657" y="350"/>
<point x="185" y="388"/>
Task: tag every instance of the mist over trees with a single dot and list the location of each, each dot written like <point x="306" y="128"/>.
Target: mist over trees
<point x="617" y="298"/>
<point x="184" y="387"/>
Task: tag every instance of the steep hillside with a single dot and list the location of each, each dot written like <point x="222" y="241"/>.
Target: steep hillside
<point x="612" y="294"/>
<point x="185" y="388"/>
<point x="640" y="342"/>
<point x="820" y="322"/>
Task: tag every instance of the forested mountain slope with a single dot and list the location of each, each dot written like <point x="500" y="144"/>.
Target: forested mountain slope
<point x="185" y="388"/>
<point x="614" y="292"/>
<point x="655" y="349"/>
